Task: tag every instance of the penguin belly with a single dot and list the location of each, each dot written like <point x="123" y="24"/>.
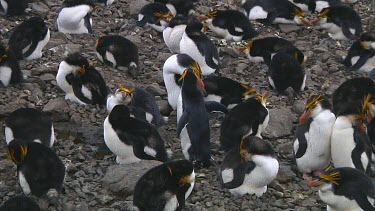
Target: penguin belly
<point x="5" y="75"/>
<point x="37" y="53"/>
<point x="124" y="152"/>
<point x="336" y="202"/>
<point x="179" y="108"/>
<point x="185" y="142"/>
<point x="71" y="20"/>
<point x="368" y="66"/>
<point x="172" y="37"/>
<point x="23" y="183"/>
<point x="213" y="97"/>
<point x="336" y="31"/>
<point x="223" y="33"/>
<point x="321" y="5"/>
<point x="61" y="77"/>
<point x="257" y="180"/>
<point x="257" y="12"/>
<point x="342" y="145"/>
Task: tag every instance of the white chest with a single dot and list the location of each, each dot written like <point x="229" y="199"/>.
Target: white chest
<point x="257" y="12"/>
<point x="37" y="53"/>
<point x="342" y="143"/>
<point x="5" y="75"/>
<point x="172" y="37"/>
<point x="185" y="142"/>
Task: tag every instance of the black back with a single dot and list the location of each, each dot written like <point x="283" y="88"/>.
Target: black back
<point x="11" y="61"/>
<point x="368" y="36"/>
<point x="73" y="3"/>
<point x="178" y="20"/>
<point x="345" y="17"/>
<point x="182" y="6"/>
<point x="149" y="11"/>
<point x="18" y="203"/>
<point x="301" y="138"/>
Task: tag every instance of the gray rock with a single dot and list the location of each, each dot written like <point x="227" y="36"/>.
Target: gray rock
<point x="280" y="124"/>
<point x="121" y="179"/>
<point x="299" y="106"/>
<point x="39" y="7"/>
<point x="47" y="77"/>
<point x="241" y="67"/>
<point x="83" y="206"/>
<point x="66" y="49"/>
<point x="57" y="104"/>
<point x="164" y="107"/>
<point x="135" y="6"/>
<point x="286" y="28"/>
<point x="156" y="90"/>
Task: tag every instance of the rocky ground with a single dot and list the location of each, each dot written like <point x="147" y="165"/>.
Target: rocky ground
<point x="93" y="180"/>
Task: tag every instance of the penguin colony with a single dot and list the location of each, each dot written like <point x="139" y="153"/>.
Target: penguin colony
<point x="334" y="141"/>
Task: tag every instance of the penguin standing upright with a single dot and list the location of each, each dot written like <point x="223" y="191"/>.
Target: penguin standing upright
<point x="75" y="17"/>
<point x="346" y="189"/>
<point x="29" y="38"/>
<point x="247" y="118"/>
<point x="361" y="55"/>
<point x="193" y="127"/>
<point x="350" y="144"/>
<point x="20" y="202"/>
<point x="274" y="11"/>
<point x="199" y="47"/>
<point x="30" y="125"/>
<point x="312" y="144"/>
<point x="261" y="50"/>
<point x="118" y="52"/>
<point x="229" y="24"/>
<point x="172" y="35"/>
<point x="285" y="71"/>
<point x="81" y="82"/>
<point x="12" y="7"/>
<point x="40" y="171"/>
<point x="165" y="187"/>
<point x="249" y="167"/>
<point x="10" y="71"/>
<point x="182" y="7"/>
<point x="341" y="22"/>
<point x="132" y="139"/>
<point x="155" y="15"/>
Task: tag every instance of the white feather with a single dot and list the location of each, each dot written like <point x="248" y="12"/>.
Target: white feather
<point x="223" y="33"/>
<point x="336" y="202"/>
<point x="109" y="56"/>
<point x="213" y="97"/>
<point x="71" y="19"/>
<point x="52" y="138"/>
<point x="257" y="12"/>
<point x="185" y="142"/>
<point x="86" y="92"/>
<point x="271" y="82"/>
<point x="37" y="53"/>
<point x="321" y="5"/>
<point x="172" y="9"/>
<point x="99" y="57"/>
<point x="334" y="31"/>
<point x="4" y="4"/>
<point x="109" y="2"/>
<point x="64" y="70"/>
<point x="8" y="135"/>
<point x="23" y="183"/>
<point x="227" y="175"/>
<point x="170" y="68"/>
<point x="5" y="75"/>
<point x="172" y="37"/>
<point x="148" y="150"/>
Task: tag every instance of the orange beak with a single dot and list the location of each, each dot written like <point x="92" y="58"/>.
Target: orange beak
<point x="265" y="94"/>
<point x="200" y="85"/>
<point x="315" y="183"/>
<point x="202" y="17"/>
<point x="305" y="22"/>
<point x="97" y="42"/>
<point x="242" y="49"/>
<point x="315" y="21"/>
<point x="304" y="116"/>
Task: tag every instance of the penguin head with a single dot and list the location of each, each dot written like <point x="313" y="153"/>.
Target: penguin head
<point x="299" y="16"/>
<point x="181" y="170"/>
<point x="124" y="95"/>
<point x="194" y="25"/>
<point x="253" y="145"/>
<point x="367" y="40"/>
<point x="262" y="98"/>
<point x="249" y="92"/>
<point x="193" y="76"/>
<point x="247" y="48"/>
<point x="322" y="16"/>
<point x="17" y="151"/>
<point x="3" y="53"/>
<point x="368" y="109"/>
<point x="163" y="16"/>
<point x="207" y="19"/>
<point x="78" y="64"/>
<point x="314" y="105"/>
<point x="296" y="54"/>
<point x="119" y="111"/>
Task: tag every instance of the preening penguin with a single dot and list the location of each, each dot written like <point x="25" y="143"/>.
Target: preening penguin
<point x="20" y="202"/>
<point x="262" y="50"/>
<point x="81" y="82"/>
<point x="199" y="47"/>
<point x="10" y="72"/>
<point x="341" y="22"/>
<point x="193" y="127"/>
<point x="172" y="34"/>
<point x="229" y="24"/>
<point x="247" y="118"/>
<point x="350" y="144"/>
<point x="39" y="169"/>
<point x="315" y="5"/>
<point x="118" y="52"/>
<point x="183" y="7"/>
<point x="132" y="139"/>
<point x="29" y="38"/>
<point x="75" y="17"/>
<point x="226" y="91"/>
<point x="249" y="167"/>
<point x="285" y="71"/>
<point x="12" y="7"/>
<point x="29" y="125"/>
<point x="155" y="15"/>
<point x="312" y="144"/>
<point x="345" y="189"/>
<point x="274" y="11"/>
<point x="361" y="55"/>
<point x="165" y="187"/>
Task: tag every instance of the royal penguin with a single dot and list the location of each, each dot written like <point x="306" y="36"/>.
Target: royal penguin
<point x="165" y="187"/>
<point x="229" y="24"/>
<point x="74" y="17"/>
<point x="274" y="12"/>
<point x="350" y="144"/>
<point x="131" y="139"/>
<point x="10" y="72"/>
<point x="155" y="15"/>
<point x="312" y="143"/>
<point x="345" y="189"/>
<point x="341" y="22"/>
<point x="361" y="55"/>
<point x="262" y="50"/>
<point x="247" y="118"/>
<point x="12" y="7"/>
<point x="315" y="5"/>
<point x="29" y="38"/>
<point x="81" y="82"/>
<point x="40" y="171"/>
<point x="199" y="47"/>
<point x="285" y="71"/>
<point x="20" y="202"/>
<point x="182" y="7"/>
<point x="30" y="125"/>
<point x="118" y="52"/>
<point x="172" y="34"/>
<point x="193" y="128"/>
<point x="249" y="167"/>
<point x="226" y="91"/>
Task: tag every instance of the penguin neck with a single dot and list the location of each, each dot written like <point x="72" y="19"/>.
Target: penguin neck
<point x="193" y="29"/>
<point x="191" y="90"/>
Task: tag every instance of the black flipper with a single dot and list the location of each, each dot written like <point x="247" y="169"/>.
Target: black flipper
<point x="346" y="31"/>
<point x="142" y="22"/>
<point x="233" y="32"/>
<point x="361" y="61"/>
<point x="239" y="174"/>
<point x="300" y="135"/>
<point x="363" y="202"/>
<point x="213" y="106"/>
<point x="181" y="196"/>
<point x="77" y="89"/>
<point x="87" y="22"/>
<point x="184" y="119"/>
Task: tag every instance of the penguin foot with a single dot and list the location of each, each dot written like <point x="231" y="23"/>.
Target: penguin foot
<point x="306" y="177"/>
